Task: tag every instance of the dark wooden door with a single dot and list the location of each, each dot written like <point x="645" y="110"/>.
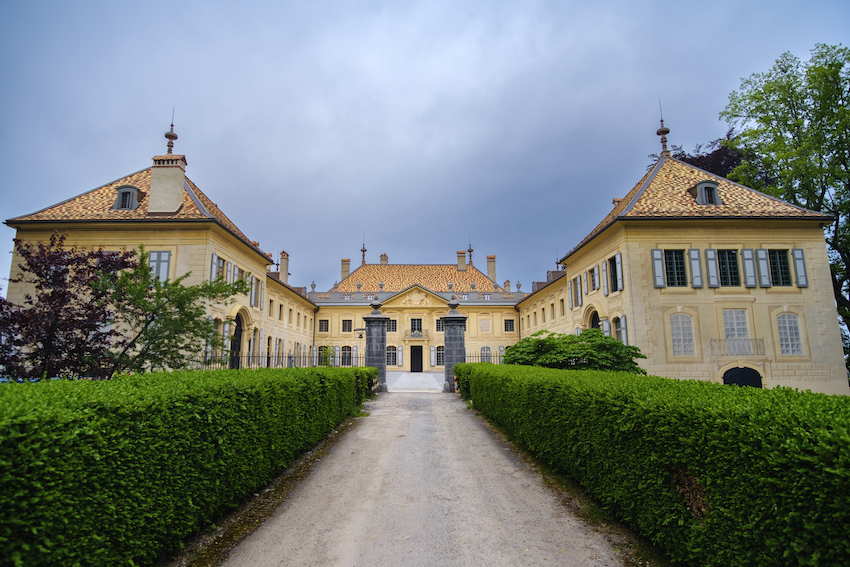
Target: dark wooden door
<point x="416" y="359"/>
<point x="742" y="377"/>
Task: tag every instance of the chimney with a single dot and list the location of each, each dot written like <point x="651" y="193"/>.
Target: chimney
<point x="461" y="260"/>
<point x="284" y="268"/>
<point x="491" y="268"/>
<point x="507" y="285"/>
<point x="385" y="259"/>
<point x="346" y="268"/>
<point x="168" y="175"/>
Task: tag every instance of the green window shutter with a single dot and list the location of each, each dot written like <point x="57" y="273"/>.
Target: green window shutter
<point x="711" y="268"/>
<point x="696" y="268"/>
<point x="800" y="267"/>
<point x="748" y="262"/>
<point x="658" y="267"/>
<point x="764" y="268"/>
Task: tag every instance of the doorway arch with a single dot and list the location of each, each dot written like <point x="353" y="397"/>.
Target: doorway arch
<point x="742" y="377"/>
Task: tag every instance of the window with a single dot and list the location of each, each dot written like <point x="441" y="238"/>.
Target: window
<point x="620" y="329"/>
<point x="707" y="194"/>
<point x="509" y="325"/>
<point x="543" y="314"/>
<point x="486" y="354"/>
<point x="535" y="318"/>
<point x="674" y="268"/>
<point x="392" y="326"/>
<point x="324" y="325"/>
<point x="562" y="308"/>
<point x="594" y="278"/>
<point x="346" y="325"/>
<point x="737" y="332"/>
<point x="727" y="267"/>
<point x="441" y="356"/>
<point x="271" y="308"/>
<point x="577" y="292"/>
<point x="158" y="262"/>
<point x="615" y="272"/>
<point x="127" y="199"/>
<point x="346" y="297"/>
<point x="486" y="296"/>
<point x="280" y="313"/>
<point x="346" y="356"/>
<point x="441" y="326"/>
<point x="416" y="325"/>
<point x="464" y="296"/>
<point x="290" y="316"/>
<point x="391" y="356"/>
<point x="682" y="332"/>
<point x="780" y="269"/>
<point x="790" y="343"/>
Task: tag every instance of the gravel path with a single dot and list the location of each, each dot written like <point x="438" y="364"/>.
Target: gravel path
<point x="422" y="482"/>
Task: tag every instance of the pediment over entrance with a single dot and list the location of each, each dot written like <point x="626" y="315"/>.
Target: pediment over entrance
<point x="415" y="296"/>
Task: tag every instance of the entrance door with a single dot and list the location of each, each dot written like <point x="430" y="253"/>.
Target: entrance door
<point x="416" y="359"/>
<point x="236" y="343"/>
<point x="742" y="377"/>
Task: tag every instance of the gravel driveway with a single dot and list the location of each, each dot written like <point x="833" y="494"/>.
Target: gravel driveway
<point x="422" y="482"/>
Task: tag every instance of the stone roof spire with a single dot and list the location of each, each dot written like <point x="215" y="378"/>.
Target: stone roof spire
<point x="663" y="131"/>
<point x="470" y="251"/>
<point x="171" y="136"/>
<point x="363" y="250"/>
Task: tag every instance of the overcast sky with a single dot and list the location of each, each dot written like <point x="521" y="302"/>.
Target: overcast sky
<point x="417" y="124"/>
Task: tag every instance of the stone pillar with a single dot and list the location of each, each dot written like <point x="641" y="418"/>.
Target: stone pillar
<point x="376" y="343"/>
<point x="453" y="326"/>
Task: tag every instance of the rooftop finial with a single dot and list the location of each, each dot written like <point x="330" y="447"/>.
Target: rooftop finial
<point x="170" y="134"/>
<point x="470" y="250"/>
<point x="663" y="131"/>
<point x="363" y="250"/>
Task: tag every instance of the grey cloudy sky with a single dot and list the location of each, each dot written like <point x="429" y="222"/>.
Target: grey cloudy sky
<point x="418" y="124"/>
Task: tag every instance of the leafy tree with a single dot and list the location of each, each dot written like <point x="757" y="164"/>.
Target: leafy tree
<point x="590" y="350"/>
<point x="65" y="327"/>
<point x="794" y="123"/>
<point x="164" y="323"/>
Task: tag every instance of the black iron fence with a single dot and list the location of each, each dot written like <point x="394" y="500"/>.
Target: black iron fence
<point x="478" y="356"/>
<point x="255" y="361"/>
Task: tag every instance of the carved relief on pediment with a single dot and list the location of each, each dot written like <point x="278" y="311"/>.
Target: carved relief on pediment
<point x="416" y="298"/>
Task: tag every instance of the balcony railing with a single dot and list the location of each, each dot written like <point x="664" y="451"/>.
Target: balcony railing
<point x="737" y="347"/>
<point x="408" y="334"/>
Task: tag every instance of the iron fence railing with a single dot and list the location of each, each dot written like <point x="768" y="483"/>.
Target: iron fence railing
<point x="281" y="361"/>
<point x="737" y="347"/>
<point x="477" y="356"/>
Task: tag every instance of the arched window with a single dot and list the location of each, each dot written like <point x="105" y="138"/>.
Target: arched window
<point x="346" y="356"/>
<point x="790" y="343"/>
<point x="485" y="354"/>
<point x="391" y="356"/>
<point x="441" y="356"/>
<point x="682" y="333"/>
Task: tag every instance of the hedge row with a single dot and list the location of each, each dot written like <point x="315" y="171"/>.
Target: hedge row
<point x="117" y="472"/>
<point x="717" y="475"/>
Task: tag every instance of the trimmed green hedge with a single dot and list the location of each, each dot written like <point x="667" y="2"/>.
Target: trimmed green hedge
<point x="717" y="475"/>
<point x="117" y="472"/>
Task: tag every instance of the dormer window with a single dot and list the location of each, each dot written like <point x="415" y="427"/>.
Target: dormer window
<point x="706" y="193"/>
<point x="127" y="199"/>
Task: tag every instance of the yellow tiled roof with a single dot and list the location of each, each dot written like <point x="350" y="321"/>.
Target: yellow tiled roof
<point x="665" y="192"/>
<point x="435" y="277"/>
<point x="96" y="205"/>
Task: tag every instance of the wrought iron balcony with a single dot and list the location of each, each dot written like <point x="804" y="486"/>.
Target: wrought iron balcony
<point x="737" y="347"/>
<point x="408" y="334"/>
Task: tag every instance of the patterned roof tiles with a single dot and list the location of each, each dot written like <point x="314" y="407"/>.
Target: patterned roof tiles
<point x="96" y="205"/>
<point x="666" y="191"/>
<point x="435" y="277"/>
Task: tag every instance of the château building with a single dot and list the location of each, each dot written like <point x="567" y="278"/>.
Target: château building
<point x="710" y="279"/>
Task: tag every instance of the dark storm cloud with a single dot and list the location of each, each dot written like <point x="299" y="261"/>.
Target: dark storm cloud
<point x="416" y="124"/>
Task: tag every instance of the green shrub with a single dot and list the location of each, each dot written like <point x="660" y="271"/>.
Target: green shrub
<point x="718" y="475"/>
<point x="592" y="349"/>
<point x="117" y="472"/>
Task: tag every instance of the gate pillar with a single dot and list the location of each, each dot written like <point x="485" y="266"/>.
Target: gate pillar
<point x="453" y="332"/>
<point x="376" y="343"/>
